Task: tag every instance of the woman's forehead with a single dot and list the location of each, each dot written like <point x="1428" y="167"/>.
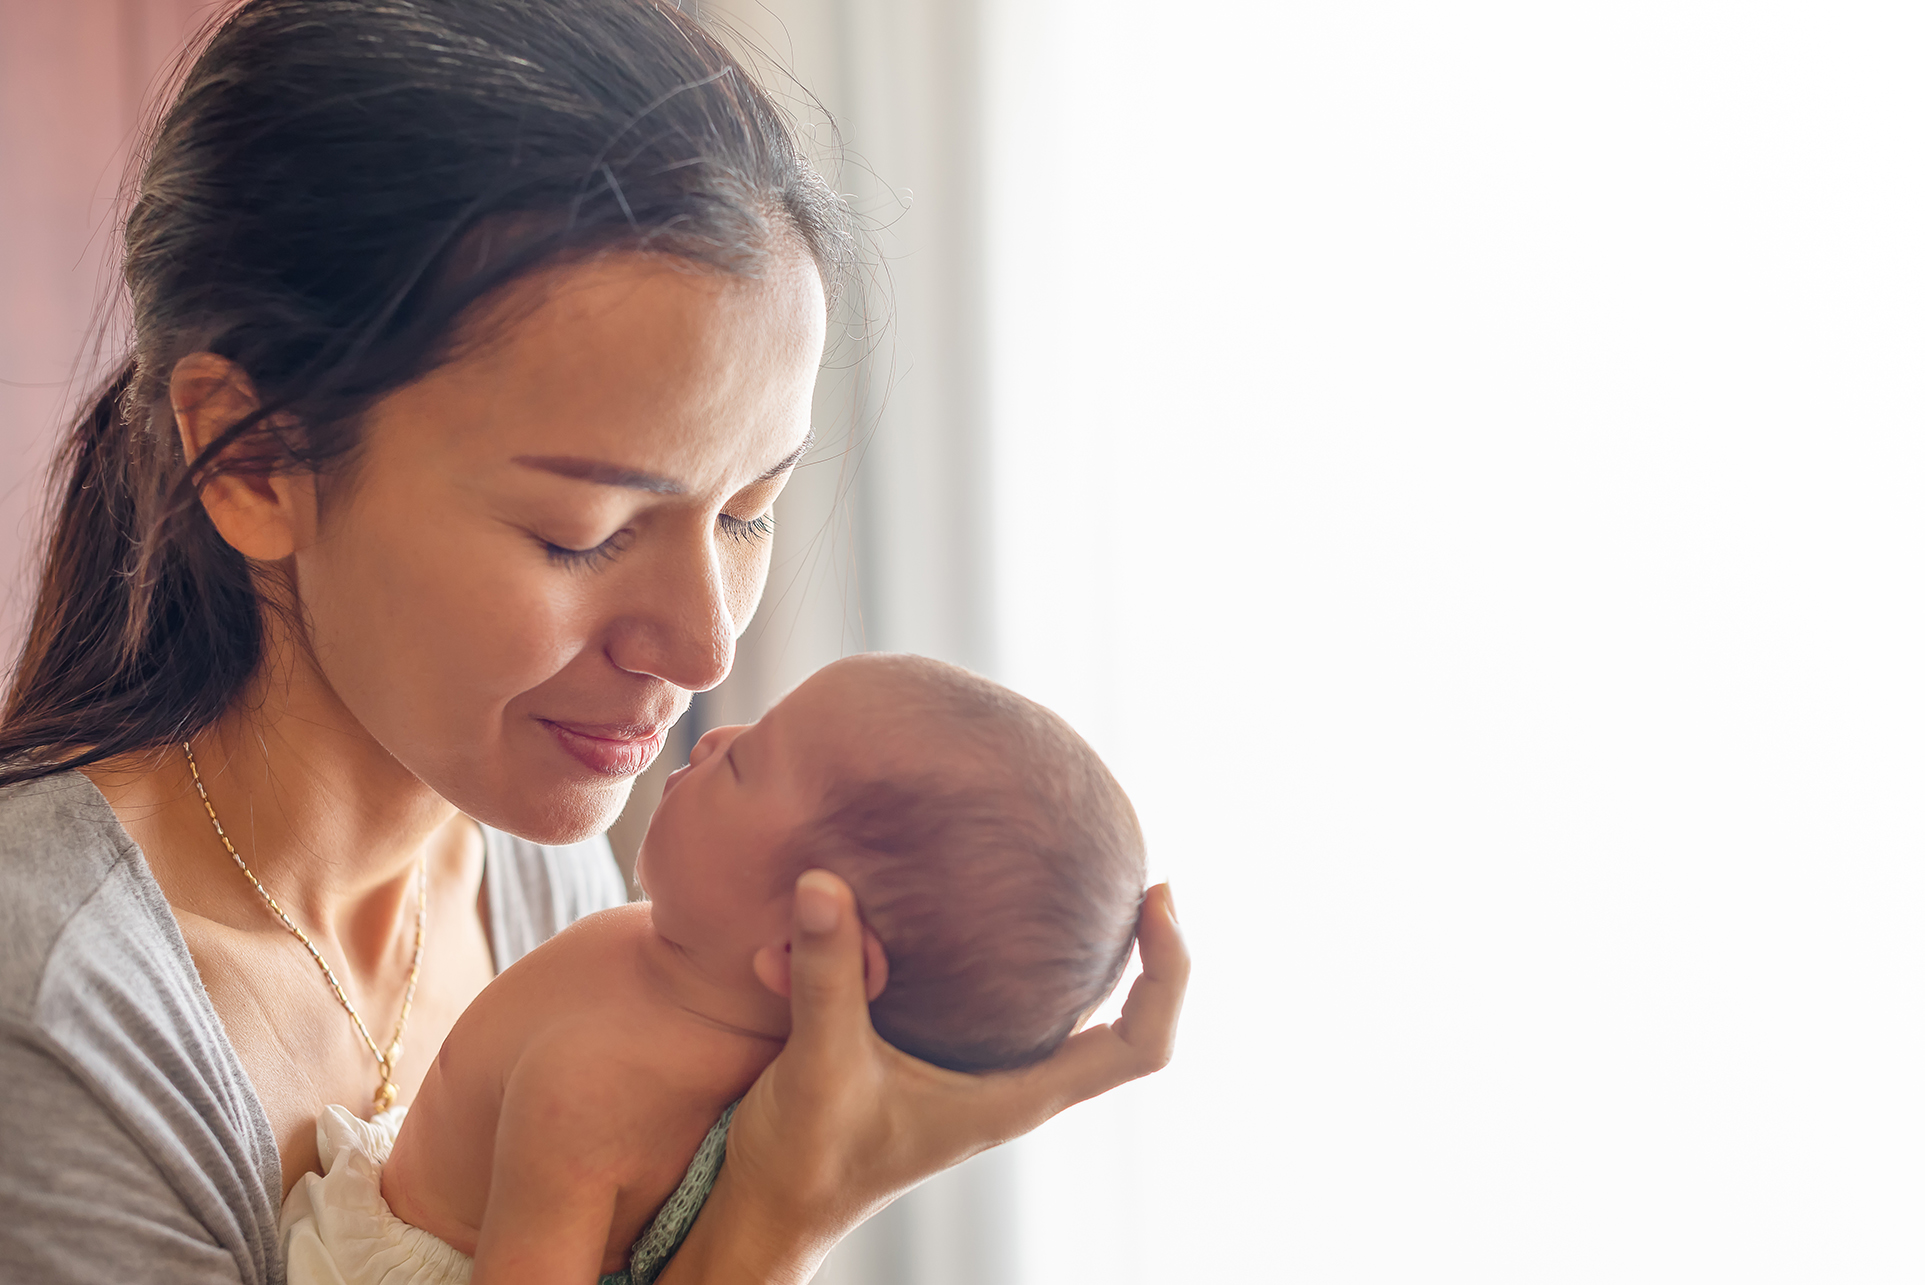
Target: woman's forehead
<point x="630" y="365"/>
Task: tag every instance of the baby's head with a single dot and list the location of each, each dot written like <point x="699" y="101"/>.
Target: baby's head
<point x="993" y="855"/>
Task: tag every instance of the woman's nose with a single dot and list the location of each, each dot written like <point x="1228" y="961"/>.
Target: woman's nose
<point x="675" y="623"/>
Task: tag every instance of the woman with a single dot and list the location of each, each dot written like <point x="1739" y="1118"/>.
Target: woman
<point x="474" y="343"/>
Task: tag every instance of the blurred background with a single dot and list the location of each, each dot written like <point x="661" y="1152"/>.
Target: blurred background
<point x="1461" y="465"/>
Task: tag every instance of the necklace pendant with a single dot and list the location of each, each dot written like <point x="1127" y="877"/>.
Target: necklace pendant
<point x="384" y="1062"/>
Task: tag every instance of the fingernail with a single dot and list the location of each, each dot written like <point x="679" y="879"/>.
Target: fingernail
<point x="816" y="910"/>
<point x="1169" y="899"/>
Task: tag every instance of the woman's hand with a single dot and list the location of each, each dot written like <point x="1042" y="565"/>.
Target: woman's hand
<point x="842" y="1123"/>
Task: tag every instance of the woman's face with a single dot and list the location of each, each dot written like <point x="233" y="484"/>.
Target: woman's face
<point x="549" y="543"/>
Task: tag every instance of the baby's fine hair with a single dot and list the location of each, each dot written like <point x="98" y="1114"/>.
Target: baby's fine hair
<point x="1002" y="874"/>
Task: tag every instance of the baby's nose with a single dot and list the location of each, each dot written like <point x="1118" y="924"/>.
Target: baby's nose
<point x="712" y="740"/>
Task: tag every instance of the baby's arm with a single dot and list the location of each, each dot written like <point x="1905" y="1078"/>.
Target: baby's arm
<point x="560" y="1162"/>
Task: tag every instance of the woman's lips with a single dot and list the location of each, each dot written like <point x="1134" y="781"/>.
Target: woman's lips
<point x="610" y="750"/>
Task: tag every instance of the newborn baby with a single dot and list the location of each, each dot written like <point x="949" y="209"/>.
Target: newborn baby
<point x="996" y="862"/>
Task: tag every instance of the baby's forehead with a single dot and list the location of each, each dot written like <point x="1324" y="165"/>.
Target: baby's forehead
<point x="871" y="735"/>
<point x="849" y="700"/>
<point x="877" y="722"/>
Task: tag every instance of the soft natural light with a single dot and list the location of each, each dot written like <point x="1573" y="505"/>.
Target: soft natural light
<point x="1462" y="464"/>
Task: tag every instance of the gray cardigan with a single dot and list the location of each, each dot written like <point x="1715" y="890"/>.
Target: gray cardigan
<point x="132" y="1146"/>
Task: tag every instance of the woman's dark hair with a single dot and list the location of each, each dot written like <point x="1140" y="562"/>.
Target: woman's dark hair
<point x="336" y="183"/>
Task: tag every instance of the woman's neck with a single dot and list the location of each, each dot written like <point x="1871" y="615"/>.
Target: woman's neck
<point x="328" y="821"/>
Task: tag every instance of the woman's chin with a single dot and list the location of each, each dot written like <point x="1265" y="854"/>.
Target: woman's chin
<point x="556" y="813"/>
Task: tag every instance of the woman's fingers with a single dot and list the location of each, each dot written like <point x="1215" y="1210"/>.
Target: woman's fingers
<point x="841" y="1123"/>
<point x="828" y="1006"/>
<point x="1148" y="1021"/>
<point x="1137" y="1043"/>
<point x="790" y="1138"/>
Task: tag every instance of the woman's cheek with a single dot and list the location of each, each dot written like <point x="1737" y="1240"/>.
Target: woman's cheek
<point x="745" y="570"/>
<point x="544" y="622"/>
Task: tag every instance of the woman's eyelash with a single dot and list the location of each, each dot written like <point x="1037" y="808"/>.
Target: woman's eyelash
<point x="746" y="530"/>
<point x="749" y="531"/>
<point x="563" y="556"/>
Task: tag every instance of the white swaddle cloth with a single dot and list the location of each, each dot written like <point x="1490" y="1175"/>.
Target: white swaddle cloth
<point x="337" y="1230"/>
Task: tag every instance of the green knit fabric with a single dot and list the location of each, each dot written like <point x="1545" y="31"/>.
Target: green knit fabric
<point x="665" y="1232"/>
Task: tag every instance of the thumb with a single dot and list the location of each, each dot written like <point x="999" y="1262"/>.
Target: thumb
<point x="828" y="1001"/>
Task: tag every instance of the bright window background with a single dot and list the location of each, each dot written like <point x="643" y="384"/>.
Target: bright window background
<point x="1463" y="467"/>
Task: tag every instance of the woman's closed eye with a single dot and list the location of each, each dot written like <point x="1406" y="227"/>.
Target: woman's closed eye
<point x="564" y="556"/>
<point x="745" y="530"/>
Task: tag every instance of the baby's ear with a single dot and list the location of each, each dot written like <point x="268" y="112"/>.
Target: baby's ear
<point x="772" y="966"/>
<point x="875" y="964"/>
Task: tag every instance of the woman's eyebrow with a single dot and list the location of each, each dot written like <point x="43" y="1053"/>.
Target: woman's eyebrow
<point x="789" y="461"/>
<point x="602" y="472"/>
<point x="605" y="473"/>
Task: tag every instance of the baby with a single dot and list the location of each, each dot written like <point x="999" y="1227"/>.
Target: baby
<point x="997" y="863"/>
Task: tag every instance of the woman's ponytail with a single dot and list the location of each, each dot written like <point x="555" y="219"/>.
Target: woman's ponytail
<point x="145" y="624"/>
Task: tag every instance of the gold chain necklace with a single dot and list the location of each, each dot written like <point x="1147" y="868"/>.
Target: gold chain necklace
<point x="384" y="1061"/>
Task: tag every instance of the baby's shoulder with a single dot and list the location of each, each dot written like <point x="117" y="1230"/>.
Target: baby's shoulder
<point x="616" y="928"/>
<point x="557" y="996"/>
<point x="550" y="978"/>
<point x="609" y="1071"/>
<point x="587" y="995"/>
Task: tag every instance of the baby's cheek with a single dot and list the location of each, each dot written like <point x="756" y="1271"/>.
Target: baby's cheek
<point x="758" y="877"/>
<point x="674" y="869"/>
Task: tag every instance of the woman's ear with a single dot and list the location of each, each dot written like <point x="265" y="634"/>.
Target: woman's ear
<point x="259" y="513"/>
<point x="772" y="966"/>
